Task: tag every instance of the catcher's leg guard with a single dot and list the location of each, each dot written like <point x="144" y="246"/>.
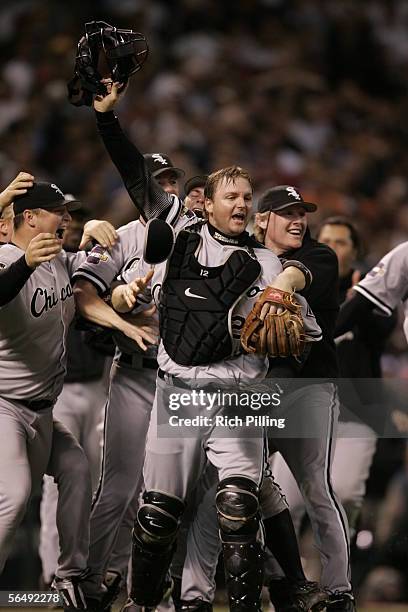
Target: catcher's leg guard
<point x="237" y="502"/>
<point x="154" y="534"/>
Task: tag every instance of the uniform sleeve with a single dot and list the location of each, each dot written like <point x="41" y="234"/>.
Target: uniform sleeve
<point x="13" y="277"/>
<point x="323" y="266"/>
<point x="74" y="260"/>
<point x="101" y="267"/>
<point x="386" y="285"/>
<point x="145" y="192"/>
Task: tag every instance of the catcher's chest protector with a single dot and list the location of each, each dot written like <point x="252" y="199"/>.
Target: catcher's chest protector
<point x="196" y="302"/>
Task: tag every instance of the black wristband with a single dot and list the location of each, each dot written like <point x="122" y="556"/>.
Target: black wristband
<point x="13" y="279"/>
<point x="108" y="117"/>
<point x="293" y="263"/>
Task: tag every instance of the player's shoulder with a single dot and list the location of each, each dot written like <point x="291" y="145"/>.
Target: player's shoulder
<point x="394" y="263"/>
<point x="400" y="252"/>
<point x="130" y="229"/>
<point x="8" y="254"/>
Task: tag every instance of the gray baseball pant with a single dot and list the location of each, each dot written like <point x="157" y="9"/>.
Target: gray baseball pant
<point x="127" y="420"/>
<point x="316" y="408"/>
<point x="80" y="408"/>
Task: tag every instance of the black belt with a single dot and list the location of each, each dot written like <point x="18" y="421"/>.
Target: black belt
<point x="179" y="382"/>
<point x="175" y="380"/>
<point x="127" y="359"/>
<point x="36" y="405"/>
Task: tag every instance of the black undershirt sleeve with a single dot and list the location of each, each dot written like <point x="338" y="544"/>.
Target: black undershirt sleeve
<point x="353" y="312"/>
<point x="13" y="279"/>
<point x="145" y="192"/>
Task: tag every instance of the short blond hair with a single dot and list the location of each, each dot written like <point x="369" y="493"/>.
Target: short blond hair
<point x="259" y="232"/>
<point x="232" y="173"/>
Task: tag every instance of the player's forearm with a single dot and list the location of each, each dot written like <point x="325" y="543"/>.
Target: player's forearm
<point x="291" y="279"/>
<point x="352" y="313"/>
<point x="93" y="308"/>
<point x="13" y="279"/>
<point x="146" y="194"/>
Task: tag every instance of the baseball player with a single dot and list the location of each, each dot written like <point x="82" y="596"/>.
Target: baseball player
<point x="80" y="408"/>
<point x="359" y="355"/>
<point x="383" y="288"/>
<point x="131" y="394"/>
<point x="36" y="307"/>
<point x="194" y="194"/>
<point x="281" y="223"/>
<point x="130" y="164"/>
<point x="172" y="466"/>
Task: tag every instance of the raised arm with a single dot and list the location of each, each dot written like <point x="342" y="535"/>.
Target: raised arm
<point x="145" y="192"/>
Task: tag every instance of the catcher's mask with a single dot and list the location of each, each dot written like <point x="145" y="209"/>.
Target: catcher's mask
<point x="105" y="52"/>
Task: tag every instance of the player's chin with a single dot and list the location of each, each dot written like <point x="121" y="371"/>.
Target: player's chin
<point x="238" y="226"/>
<point x="294" y="242"/>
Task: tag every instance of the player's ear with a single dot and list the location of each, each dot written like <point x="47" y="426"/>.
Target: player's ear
<point x="208" y="205"/>
<point x="30" y="217"/>
<point x="261" y="220"/>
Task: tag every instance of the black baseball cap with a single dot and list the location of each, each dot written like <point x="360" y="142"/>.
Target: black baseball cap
<point x="158" y="163"/>
<point x="194" y="182"/>
<point x="283" y="196"/>
<point x="43" y="195"/>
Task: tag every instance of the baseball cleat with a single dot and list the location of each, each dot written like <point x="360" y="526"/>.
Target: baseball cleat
<point x="195" y="605"/>
<point x="70" y="590"/>
<point x="112" y="582"/>
<point x="300" y="596"/>
<point x="341" y="601"/>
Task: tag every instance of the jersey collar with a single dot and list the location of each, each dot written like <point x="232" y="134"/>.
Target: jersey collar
<point x="222" y="238"/>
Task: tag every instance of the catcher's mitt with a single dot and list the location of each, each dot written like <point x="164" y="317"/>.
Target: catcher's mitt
<point x="278" y="335"/>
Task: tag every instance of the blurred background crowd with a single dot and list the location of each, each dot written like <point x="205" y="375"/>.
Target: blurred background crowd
<point x="312" y="93"/>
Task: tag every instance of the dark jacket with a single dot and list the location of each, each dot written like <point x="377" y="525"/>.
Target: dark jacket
<point x="322" y="296"/>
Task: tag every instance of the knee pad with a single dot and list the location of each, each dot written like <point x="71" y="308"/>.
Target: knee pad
<point x="158" y="519"/>
<point x="237" y="502"/>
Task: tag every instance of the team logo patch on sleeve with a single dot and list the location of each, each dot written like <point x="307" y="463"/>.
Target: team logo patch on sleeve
<point x="377" y="270"/>
<point x="97" y="254"/>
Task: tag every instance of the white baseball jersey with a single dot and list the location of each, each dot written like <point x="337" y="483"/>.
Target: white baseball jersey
<point x="33" y="328"/>
<point x="386" y="285"/>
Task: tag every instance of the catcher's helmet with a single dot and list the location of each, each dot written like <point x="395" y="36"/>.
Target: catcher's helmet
<point x="105" y="51"/>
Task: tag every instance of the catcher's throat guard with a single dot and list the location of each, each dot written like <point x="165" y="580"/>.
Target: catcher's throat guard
<point x="105" y="52"/>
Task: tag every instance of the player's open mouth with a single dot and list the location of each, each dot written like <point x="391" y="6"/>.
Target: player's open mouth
<point x="60" y="233"/>
<point x="295" y="232"/>
<point x="239" y="217"/>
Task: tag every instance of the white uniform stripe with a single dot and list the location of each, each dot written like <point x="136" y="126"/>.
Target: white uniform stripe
<point x="374" y="299"/>
<point x="327" y="483"/>
<point x="92" y="278"/>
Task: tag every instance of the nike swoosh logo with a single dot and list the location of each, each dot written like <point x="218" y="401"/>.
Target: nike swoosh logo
<point x="193" y="295"/>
